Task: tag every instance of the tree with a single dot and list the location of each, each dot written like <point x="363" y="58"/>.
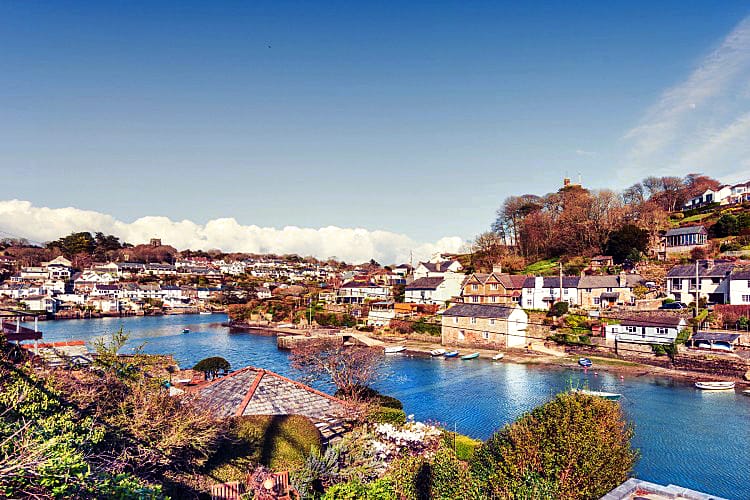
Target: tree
<point x="351" y="368"/>
<point x="576" y="445"/>
<point x="487" y="250"/>
<point x="727" y="225"/>
<point x="74" y="243"/>
<point x="623" y="241"/>
<point x="212" y="366"/>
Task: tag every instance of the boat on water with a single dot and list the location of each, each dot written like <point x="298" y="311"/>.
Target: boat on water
<point x="451" y="354"/>
<point x="498" y="356"/>
<point x="714" y="385"/>
<point x="186" y="330"/>
<point x="205" y="312"/>
<point x="473" y="355"/>
<point x="585" y="362"/>
<point x="612" y="396"/>
<point x="746" y="392"/>
<point x="437" y="352"/>
<point x="394" y="349"/>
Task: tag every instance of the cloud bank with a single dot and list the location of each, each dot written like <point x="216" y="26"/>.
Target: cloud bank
<point x="703" y="123"/>
<point x="355" y="245"/>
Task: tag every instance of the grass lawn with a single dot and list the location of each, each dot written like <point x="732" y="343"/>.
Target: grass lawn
<point x="281" y="442"/>
<point x="542" y="267"/>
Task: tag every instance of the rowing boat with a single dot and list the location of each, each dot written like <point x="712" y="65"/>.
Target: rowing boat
<point x="470" y="356"/>
<point x="715" y="385"/>
<point x="498" y="356"/>
<point x="437" y="352"/>
<point x="394" y="349"/>
<point x="451" y="354"/>
<point x="612" y="396"/>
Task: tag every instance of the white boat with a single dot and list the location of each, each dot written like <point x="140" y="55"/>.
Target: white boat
<point x="746" y="392"/>
<point x="612" y="396"/>
<point x="205" y="312"/>
<point x="394" y="349"/>
<point x="715" y="386"/>
<point x="437" y="352"/>
<point x="498" y="356"/>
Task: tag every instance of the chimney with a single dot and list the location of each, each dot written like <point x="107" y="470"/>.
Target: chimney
<point x="497" y="268"/>
<point x="622" y="279"/>
<point x="538" y="282"/>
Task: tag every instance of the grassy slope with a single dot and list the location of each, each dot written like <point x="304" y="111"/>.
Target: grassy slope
<point x="542" y="268"/>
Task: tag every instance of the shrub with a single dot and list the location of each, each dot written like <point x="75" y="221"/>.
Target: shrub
<point x="559" y="308"/>
<point x="384" y="415"/>
<point x="368" y="393"/>
<point x="212" y="366"/>
<point x="423" y="327"/>
<point x="276" y="441"/>
<point x="380" y="489"/>
<point x="463" y="446"/>
<point x="441" y="476"/>
<point x="579" y="443"/>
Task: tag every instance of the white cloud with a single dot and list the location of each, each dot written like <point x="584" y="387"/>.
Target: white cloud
<point x="350" y="244"/>
<point x="699" y="124"/>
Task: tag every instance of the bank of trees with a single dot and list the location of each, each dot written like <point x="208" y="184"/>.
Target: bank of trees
<point x="577" y="221"/>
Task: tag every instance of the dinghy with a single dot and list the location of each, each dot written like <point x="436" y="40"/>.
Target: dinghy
<point x="470" y="356"/>
<point x="715" y="385"/>
<point x="394" y="349"/>
<point x="498" y="356"/>
<point x="612" y="396"/>
<point x="746" y="392"/>
<point x="585" y="362"/>
<point x="451" y="354"/>
<point x="186" y="330"/>
<point x="437" y="352"/>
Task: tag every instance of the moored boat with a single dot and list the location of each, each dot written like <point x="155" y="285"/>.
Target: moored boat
<point x="746" y="392"/>
<point x="714" y="385"/>
<point x="585" y="362"/>
<point x="470" y="356"/>
<point x="612" y="396"/>
<point x="451" y="354"/>
<point x="437" y="352"/>
<point x="498" y="356"/>
<point x="394" y="349"/>
<point x="186" y="330"/>
<point x="205" y="312"/>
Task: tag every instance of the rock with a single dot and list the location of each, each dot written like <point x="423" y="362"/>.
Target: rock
<point x="747" y="375"/>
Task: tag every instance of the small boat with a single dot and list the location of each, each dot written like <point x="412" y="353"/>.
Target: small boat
<point x="451" y="354"/>
<point x="715" y="385"/>
<point x="746" y="392"/>
<point x="498" y="356"/>
<point x="437" y="352"/>
<point x="473" y="355"/>
<point x="205" y="312"/>
<point x="394" y="349"/>
<point x="585" y="362"/>
<point x="612" y="396"/>
<point x="186" y="330"/>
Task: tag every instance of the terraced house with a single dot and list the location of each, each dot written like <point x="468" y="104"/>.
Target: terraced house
<point x="493" y="288"/>
<point x="484" y="325"/>
<point x="601" y="292"/>
<point x="710" y="277"/>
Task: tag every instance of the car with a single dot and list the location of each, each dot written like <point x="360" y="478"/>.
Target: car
<point x="674" y="306"/>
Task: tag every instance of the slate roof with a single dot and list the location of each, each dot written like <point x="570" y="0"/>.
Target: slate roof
<point x="652" y="319"/>
<point x="743" y="274"/>
<point x="438" y="266"/>
<point x="359" y="284"/>
<point x="609" y="281"/>
<point x="253" y="391"/>
<point x="716" y="337"/>
<point x="705" y="270"/>
<point x="554" y="282"/>
<point x="425" y="284"/>
<point x="679" y="231"/>
<point x="479" y="311"/>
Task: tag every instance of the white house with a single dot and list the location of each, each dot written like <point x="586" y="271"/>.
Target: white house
<point x="18" y="291"/>
<point x="34" y="273"/>
<point x="106" y="291"/>
<point x="41" y="303"/>
<point x="433" y="290"/>
<point x="739" y="287"/>
<point x="381" y="314"/>
<point x="263" y="292"/>
<point x="356" y="292"/>
<point x="436" y="269"/>
<point x="713" y="281"/>
<point x="646" y="329"/>
<point x="107" y="305"/>
<point x="718" y="195"/>
<point x="540" y="293"/>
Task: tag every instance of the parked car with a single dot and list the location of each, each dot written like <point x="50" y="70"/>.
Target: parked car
<point x="674" y="306"/>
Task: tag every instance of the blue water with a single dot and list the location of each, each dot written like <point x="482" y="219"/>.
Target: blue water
<point x="695" y="439"/>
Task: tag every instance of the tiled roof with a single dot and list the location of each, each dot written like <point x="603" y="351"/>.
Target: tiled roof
<point x="479" y="311"/>
<point x="253" y="391"/>
<point x="652" y="319"/>
<point x="705" y="269"/>
<point x="425" y="284"/>
<point x="679" y="231"/>
<point x="554" y="282"/>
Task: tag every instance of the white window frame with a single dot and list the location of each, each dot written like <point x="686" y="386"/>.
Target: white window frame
<point x="473" y="320"/>
<point x="486" y="335"/>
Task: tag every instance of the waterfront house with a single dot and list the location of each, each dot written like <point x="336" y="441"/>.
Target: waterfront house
<point x="683" y="240"/>
<point x="435" y="290"/>
<point x="485" y="326"/>
<point x="40" y="303"/>
<point x="713" y="281"/>
<point x="739" y="287"/>
<point x="540" y="293"/>
<point x="603" y="292"/>
<point x="656" y="328"/>
<point x="381" y="313"/>
<point x="493" y="288"/>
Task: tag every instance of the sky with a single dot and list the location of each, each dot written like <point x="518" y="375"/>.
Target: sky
<point x="354" y="129"/>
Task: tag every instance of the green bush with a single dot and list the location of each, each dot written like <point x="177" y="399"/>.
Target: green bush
<point x="384" y="415"/>
<point x="371" y="394"/>
<point x="280" y="442"/>
<point x="580" y="446"/>
<point x="425" y="328"/>
<point x="442" y="476"/>
<point x="658" y="349"/>
<point x="559" y="309"/>
<point x="464" y="446"/>
<point x="380" y="489"/>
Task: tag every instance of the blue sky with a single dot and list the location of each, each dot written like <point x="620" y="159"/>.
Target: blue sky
<point x="415" y="119"/>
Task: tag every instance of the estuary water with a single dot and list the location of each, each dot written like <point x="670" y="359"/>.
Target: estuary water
<point x="685" y="436"/>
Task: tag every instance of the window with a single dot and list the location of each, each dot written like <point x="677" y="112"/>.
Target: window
<point x="662" y="331"/>
<point x="486" y="335"/>
<point x="461" y="335"/>
<point x="631" y="329"/>
<point x="748" y="283"/>
<point x="473" y="321"/>
<point x="609" y="289"/>
<point x="494" y="299"/>
<point x="493" y="286"/>
<point x="475" y="298"/>
<point x="528" y="302"/>
<point x="597" y="301"/>
<point x="492" y="321"/>
<point x="746" y="298"/>
<point x="475" y="287"/>
<point x="588" y="290"/>
<point x="566" y="291"/>
<point x="455" y="320"/>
